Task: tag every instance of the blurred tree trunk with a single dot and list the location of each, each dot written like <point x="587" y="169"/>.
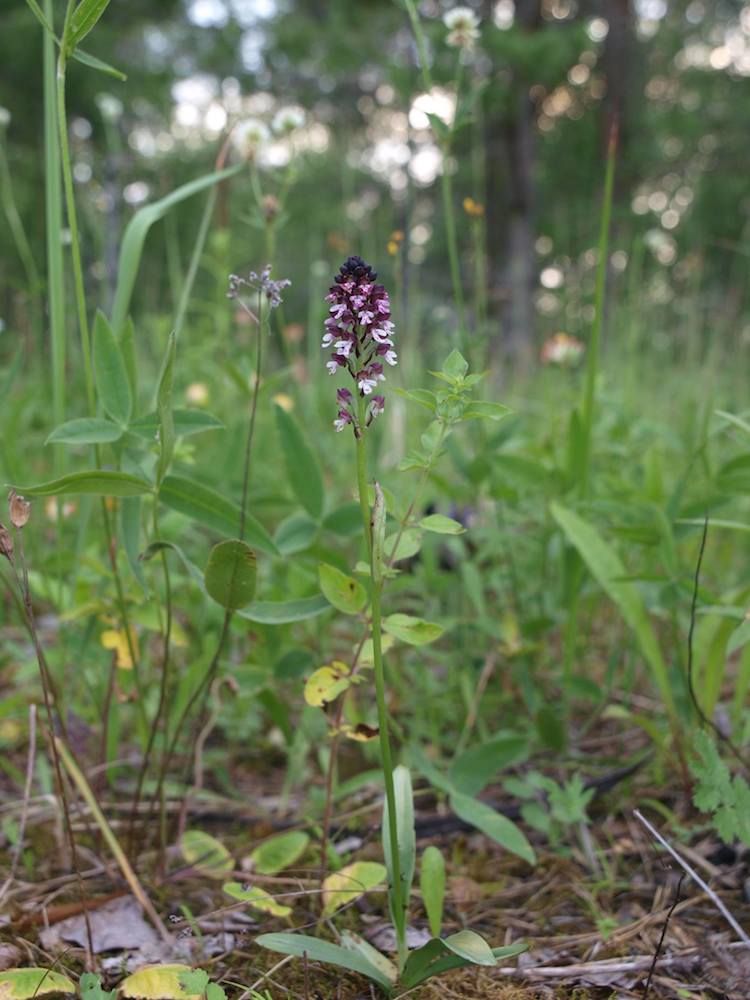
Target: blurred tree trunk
<point x="511" y="142"/>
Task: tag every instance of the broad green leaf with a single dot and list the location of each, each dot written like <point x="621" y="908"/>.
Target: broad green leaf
<point x="327" y="683"/>
<point x="323" y="951"/>
<point x="285" y="612"/>
<point x="206" y="854"/>
<point x="409" y="543"/>
<point x="258" y="898"/>
<point x="342" y="591"/>
<point x="157" y="982"/>
<point x="415" y="631"/>
<point x="353" y="942"/>
<point x="455" y="365"/>
<point x="231" y="574"/>
<point x="86" y="430"/>
<point x="349" y="883"/>
<point x="476" y="767"/>
<point x="23" y="984"/>
<point x="432" y="884"/>
<point x="112" y="383"/>
<point x="83" y="21"/>
<point x="97" y="482"/>
<point x="279" y="852"/>
<point x="136" y="231"/>
<point x="493" y="825"/>
<point x="607" y="568"/>
<point x="345" y="520"/>
<point x="442" y="525"/>
<point x="302" y="466"/>
<point x="209" y="507"/>
<point x="164" y="410"/>
<point x="440" y="955"/>
<point x="186" y="422"/>
<point x="295" y="534"/>
<point x="453" y="952"/>
<point x="484" y="409"/>
<point x="405" y="834"/>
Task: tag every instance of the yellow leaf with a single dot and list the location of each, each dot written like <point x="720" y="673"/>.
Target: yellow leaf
<point x="206" y="854"/>
<point x="366" y="656"/>
<point x="156" y="982"/>
<point x="361" y="733"/>
<point x="22" y="984"/>
<point x="349" y="883"/>
<point x="117" y="640"/>
<point x="258" y="898"/>
<point x="326" y="684"/>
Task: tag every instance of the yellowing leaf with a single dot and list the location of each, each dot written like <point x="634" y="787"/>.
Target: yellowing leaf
<point x="326" y="684"/>
<point x="361" y="733"/>
<point x="258" y="898"/>
<point x="23" y="984"/>
<point x="280" y="852"/>
<point x="156" y="982"/>
<point x="206" y="854"/>
<point x="365" y="657"/>
<point x="117" y="640"/>
<point x="350" y="883"/>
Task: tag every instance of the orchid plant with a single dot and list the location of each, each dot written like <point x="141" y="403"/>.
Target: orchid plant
<point x="359" y="331"/>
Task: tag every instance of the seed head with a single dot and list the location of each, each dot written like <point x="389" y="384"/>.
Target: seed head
<point x="20" y="509"/>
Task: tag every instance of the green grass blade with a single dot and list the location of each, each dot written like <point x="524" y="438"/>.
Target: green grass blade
<point x="137" y="231"/>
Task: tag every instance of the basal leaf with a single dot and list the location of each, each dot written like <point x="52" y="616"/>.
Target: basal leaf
<point x="493" y="825"/>
<point x="206" y="854"/>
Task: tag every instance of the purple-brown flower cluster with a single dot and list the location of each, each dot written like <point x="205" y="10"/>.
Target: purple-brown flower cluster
<point x="360" y="331"/>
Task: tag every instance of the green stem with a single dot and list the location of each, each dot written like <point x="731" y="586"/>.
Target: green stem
<point x="399" y="910"/>
<point x="83" y="324"/>
<point x="75" y="246"/>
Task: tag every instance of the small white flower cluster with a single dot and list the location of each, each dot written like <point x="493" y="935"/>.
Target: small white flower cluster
<point x="252" y="134"/>
<point x="4" y="117"/>
<point x="463" y="28"/>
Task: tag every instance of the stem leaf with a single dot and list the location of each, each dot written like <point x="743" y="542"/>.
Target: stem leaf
<point x="112" y="382"/>
<point x="96" y="481"/>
